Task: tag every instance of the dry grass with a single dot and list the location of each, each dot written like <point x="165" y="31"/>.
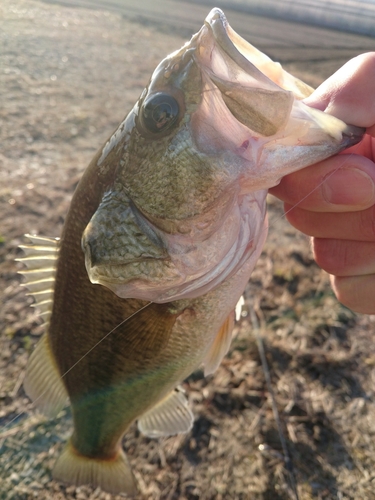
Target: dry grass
<point x="70" y="75"/>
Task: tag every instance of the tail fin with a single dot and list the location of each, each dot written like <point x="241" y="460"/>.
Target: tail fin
<point x="112" y="475"/>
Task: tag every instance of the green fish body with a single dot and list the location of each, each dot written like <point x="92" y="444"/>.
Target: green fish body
<point x="160" y="240"/>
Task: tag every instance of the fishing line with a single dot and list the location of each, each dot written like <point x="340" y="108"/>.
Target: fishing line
<point x="77" y="362"/>
<point x="317" y="186"/>
<point x="101" y="340"/>
<point x="265" y="229"/>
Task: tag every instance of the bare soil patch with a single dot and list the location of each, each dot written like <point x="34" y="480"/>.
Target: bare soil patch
<point x="68" y="76"/>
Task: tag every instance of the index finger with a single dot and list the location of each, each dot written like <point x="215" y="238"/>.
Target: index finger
<point x="349" y="93"/>
<point x="343" y="183"/>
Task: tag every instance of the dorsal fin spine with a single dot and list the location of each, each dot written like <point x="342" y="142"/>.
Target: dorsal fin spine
<point x="40" y="260"/>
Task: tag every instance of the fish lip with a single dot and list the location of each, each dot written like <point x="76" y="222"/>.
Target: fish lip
<point x="224" y="36"/>
<point x="142" y="285"/>
<point x="352" y="134"/>
<point x="97" y="271"/>
<point x="218" y="25"/>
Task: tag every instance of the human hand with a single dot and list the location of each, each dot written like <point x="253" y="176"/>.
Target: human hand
<point x="334" y="200"/>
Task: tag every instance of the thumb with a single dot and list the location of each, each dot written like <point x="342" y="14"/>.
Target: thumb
<point x="349" y="94"/>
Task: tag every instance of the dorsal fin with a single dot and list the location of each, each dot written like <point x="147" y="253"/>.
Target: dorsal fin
<point x="40" y="260"/>
<point x="168" y="417"/>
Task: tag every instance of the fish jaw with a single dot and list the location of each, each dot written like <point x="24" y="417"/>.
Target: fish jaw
<point x="269" y="132"/>
<point x="181" y="265"/>
<point x="218" y="124"/>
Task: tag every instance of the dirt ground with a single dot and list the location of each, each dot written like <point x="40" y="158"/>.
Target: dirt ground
<point x="67" y="77"/>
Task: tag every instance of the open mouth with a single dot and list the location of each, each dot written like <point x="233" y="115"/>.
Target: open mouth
<point x="256" y="65"/>
<point x="239" y="51"/>
<point x="258" y="92"/>
<point x="245" y="128"/>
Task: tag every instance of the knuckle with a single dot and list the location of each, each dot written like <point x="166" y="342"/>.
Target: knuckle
<point x="367" y="224"/>
<point x="356" y="293"/>
<point x="334" y="256"/>
<point x="345" y="294"/>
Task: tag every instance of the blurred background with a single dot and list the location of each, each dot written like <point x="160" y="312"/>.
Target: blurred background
<point x="70" y="70"/>
<point x="356" y="16"/>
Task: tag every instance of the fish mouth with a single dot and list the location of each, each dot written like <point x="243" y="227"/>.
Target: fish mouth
<point x="258" y="93"/>
<point x="245" y="127"/>
<point x="134" y="278"/>
<point x="239" y="51"/>
<point x="252" y="61"/>
<point x="247" y="78"/>
<point x="267" y="124"/>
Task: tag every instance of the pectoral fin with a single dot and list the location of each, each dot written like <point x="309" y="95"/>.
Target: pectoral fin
<point x="170" y="416"/>
<point x="147" y="332"/>
<point x="220" y="346"/>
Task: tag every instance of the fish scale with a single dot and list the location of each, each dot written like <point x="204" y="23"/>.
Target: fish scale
<point x="161" y="237"/>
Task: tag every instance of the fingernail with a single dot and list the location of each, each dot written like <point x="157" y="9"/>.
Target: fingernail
<point x="349" y="186"/>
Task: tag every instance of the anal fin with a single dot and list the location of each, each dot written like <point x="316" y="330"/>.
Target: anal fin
<point x="111" y="474"/>
<point x="168" y="417"/>
<point x="43" y="382"/>
<point x="220" y="346"/>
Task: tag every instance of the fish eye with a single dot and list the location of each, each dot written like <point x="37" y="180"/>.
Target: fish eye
<point x="159" y="112"/>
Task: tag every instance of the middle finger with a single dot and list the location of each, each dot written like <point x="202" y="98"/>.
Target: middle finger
<point x="356" y="226"/>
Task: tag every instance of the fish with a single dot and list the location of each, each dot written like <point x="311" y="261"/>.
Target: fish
<point x="161" y="237"/>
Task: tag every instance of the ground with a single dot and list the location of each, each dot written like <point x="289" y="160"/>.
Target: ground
<point x="68" y="76"/>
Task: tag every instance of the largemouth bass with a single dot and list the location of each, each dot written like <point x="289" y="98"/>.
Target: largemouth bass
<point x="160" y="240"/>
